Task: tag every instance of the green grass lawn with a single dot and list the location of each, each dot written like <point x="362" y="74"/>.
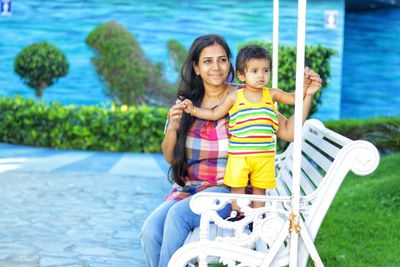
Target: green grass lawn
<point x="362" y="227"/>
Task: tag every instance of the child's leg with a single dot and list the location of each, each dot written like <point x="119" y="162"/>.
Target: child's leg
<point x="258" y="191"/>
<point x="236" y="190"/>
<point x="262" y="177"/>
<point x="236" y="176"/>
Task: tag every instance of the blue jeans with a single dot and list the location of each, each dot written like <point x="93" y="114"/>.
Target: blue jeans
<point x="166" y="229"/>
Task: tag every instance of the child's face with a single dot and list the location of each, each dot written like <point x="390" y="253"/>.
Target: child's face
<point x="257" y="74"/>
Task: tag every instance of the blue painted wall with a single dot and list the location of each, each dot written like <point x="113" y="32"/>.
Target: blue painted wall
<point x="371" y="64"/>
<point x="330" y="37"/>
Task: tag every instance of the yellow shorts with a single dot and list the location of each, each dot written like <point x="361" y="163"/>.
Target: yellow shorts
<point x="259" y="170"/>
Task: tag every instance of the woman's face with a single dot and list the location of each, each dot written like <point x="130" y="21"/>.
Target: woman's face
<point x="213" y="66"/>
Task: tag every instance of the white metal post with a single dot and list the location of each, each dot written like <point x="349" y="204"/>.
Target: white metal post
<point x="275" y="42"/>
<point x="301" y="31"/>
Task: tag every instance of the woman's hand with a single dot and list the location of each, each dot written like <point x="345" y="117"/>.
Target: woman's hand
<point x="188" y="106"/>
<point x="175" y="116"/>
<point x="174" y="121"/>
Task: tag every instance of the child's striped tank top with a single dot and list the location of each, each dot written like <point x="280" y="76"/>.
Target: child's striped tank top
<point x="252" y="126"/>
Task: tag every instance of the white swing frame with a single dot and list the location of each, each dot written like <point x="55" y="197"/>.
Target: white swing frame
<point x="300" y="60"/>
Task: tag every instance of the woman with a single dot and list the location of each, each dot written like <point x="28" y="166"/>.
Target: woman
<point x="197" y="149"/>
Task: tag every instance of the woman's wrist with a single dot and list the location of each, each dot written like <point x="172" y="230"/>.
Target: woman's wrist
<point x="171" y="129"/>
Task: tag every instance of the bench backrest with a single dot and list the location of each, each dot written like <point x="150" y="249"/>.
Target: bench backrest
<point x="319" y="149"/>
<point x="327" y="157"/>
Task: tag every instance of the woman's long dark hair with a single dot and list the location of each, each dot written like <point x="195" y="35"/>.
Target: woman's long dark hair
<point x="191" y="87"/>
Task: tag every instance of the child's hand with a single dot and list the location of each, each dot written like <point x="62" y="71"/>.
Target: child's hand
<point x="312" y="82"/>
<point x="307" y="79"/>
<point x="188" y="106"/>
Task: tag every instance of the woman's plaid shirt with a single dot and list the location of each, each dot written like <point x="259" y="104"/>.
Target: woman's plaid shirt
<point x="207" y="153"/>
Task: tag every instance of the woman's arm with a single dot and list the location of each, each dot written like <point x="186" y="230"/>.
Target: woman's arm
<point x="286" y="126"/>
<point x="169" y="141"/>
<point x="211" y="114"/>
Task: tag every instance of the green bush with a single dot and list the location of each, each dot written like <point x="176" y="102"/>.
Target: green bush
<point x="134" y="129"/>
<point x="383" y="132"/>
<point x="128" y="75"/>
<point x="316" y="57"/>
<point x="40" y="65"/>
<point x="177" y="54"/>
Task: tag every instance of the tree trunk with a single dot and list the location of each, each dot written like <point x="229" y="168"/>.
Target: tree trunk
<point x="39" y="90"/>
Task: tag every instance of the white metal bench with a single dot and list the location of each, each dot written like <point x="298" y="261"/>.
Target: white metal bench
<point x="327" y="157"/>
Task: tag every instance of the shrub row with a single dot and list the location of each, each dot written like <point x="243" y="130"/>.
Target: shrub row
<point x="383" y="132"/>
<point x="135" y="129"/>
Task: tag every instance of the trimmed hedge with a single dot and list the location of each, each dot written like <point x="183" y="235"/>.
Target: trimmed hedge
<point x="383" y="132"/>
<point x="134" y="129"/>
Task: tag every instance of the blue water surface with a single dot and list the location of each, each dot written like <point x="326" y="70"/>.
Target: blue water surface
<point x="67" y="23"/>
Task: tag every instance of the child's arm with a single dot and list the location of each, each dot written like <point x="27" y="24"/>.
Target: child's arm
<point x="282" y="97"/>
<point x="211" y="114"/>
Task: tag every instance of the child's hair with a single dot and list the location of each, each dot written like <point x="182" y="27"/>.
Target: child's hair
<point x="250" y="52"/>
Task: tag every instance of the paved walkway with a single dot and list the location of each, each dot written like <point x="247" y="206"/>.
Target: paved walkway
<point x="76" y="208"/>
